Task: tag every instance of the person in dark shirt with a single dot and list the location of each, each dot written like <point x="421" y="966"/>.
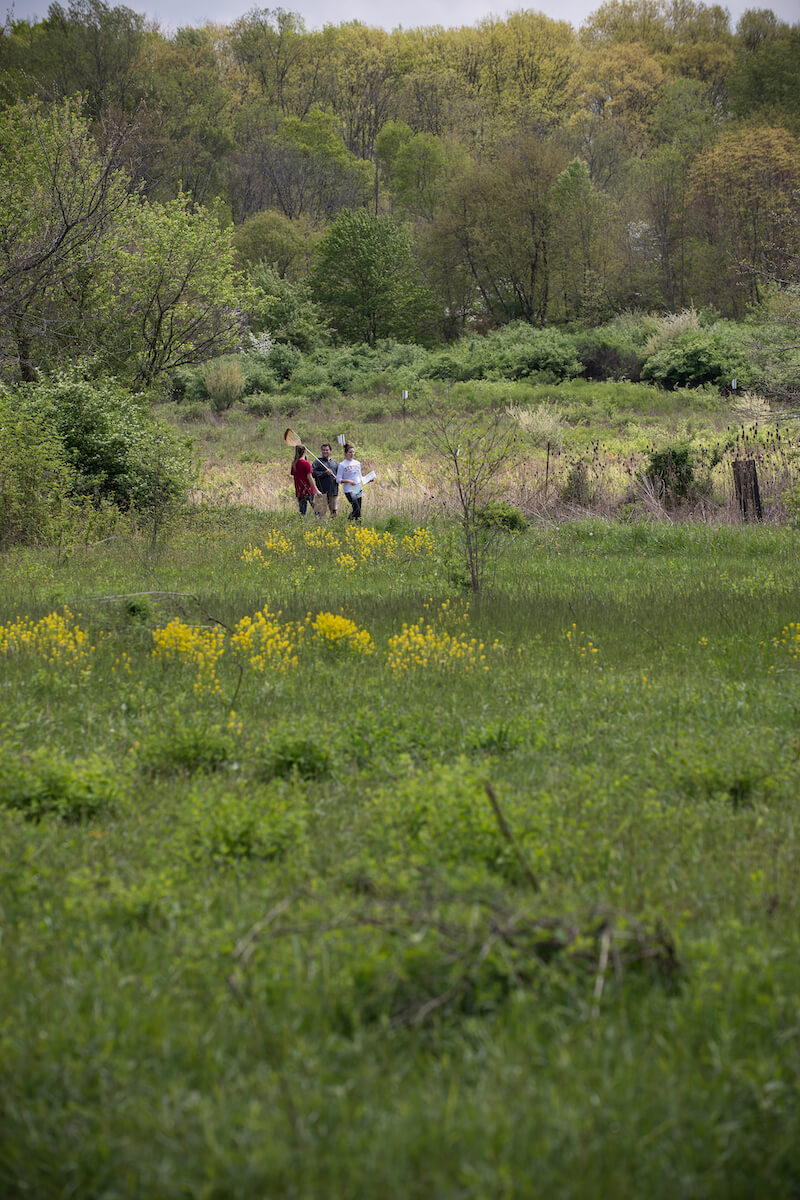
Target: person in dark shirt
<point x="304" y="487"/>
<point x="324" y="471"/>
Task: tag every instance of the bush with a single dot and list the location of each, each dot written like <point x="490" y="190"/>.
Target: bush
<point x="542" y="425"/>
<point x="295" y="756"/>
<point x="672" y="472"/>
<point x="257" y="376"/>
<point x="231" y="826"/>
<point x="694" y="359"/>
<point x="117" y="451"/>
<point x="40" y="784"/>
<point x="35" y="477"/>
<point x="499" y="514"/>
<point x="606" y="356"/>
<point x="225" y="382"/>
<point x="283" y="359"/>
<point x="517" y="351"/>
<point x="259" y="405"/>
<point x="184" y="750"/>
<point x="186" y="385"/>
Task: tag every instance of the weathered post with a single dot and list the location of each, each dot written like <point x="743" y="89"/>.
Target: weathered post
<point x="745" y="482"/>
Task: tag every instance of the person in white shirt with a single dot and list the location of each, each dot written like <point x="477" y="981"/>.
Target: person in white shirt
<point x="349" y="476"/>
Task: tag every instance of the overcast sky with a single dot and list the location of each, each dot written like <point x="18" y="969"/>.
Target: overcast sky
<point x="386" y="13"/>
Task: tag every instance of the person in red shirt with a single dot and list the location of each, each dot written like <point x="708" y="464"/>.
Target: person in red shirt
<point x="304" y="487"/>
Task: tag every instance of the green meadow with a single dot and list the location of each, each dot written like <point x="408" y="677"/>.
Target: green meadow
<point x="323" y="877"/>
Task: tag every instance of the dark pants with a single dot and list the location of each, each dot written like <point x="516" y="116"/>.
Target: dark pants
<point x="355" y="504"/>
<point x="303" y="503"/>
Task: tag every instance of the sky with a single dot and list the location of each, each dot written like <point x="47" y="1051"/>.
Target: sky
<point x="387" y="14"/>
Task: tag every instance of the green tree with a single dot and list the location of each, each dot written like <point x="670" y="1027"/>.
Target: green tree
<point x="87" y="48"/>
<point x="299" y="166"/>
<point x="274" y="49"/>
<point x="63" y="206"/>
<point x="186" y="118"/>
<point x="271" y="237"/>
<point x="497" y="223"/>
<point x="283" y="309"/>
<point x="365" y="279"/>
<point x="744" y="193"/>
<point x="173" y="296"/>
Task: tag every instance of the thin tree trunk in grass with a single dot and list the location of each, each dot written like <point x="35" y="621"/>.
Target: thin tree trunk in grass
<point x="745" y="482"/>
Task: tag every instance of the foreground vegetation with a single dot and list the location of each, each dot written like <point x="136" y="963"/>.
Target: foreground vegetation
<point x="378" y="892"/>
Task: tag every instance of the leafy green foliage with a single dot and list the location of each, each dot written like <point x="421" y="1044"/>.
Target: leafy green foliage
<point x="695" y="359"/>
<point x="499" y="514"/>
<point x="35" y="478"/>
<point x="42" y="784"/>
<point x="177" y="747"/>
<point x="517" y="351"/>
<point x="365" y="279"/>
<point x="117" y="449"/>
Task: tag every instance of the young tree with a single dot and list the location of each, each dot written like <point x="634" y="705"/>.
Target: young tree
<point x="472" y="452"/>
<point x="365" y="279"/>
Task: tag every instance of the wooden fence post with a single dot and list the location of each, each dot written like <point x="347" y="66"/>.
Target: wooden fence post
<point x="745" y="482"/>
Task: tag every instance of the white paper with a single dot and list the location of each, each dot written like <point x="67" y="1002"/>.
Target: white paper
<point x="368" y="478"/>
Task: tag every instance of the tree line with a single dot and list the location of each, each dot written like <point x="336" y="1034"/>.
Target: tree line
<point x="162" y="193"/>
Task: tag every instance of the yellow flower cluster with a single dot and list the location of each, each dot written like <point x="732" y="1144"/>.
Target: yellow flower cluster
<point x="789" y="639"/>
<point x="265" y="643"/>
<point x="56" y="638"/>
<point x="320" y="538"/>
<point x="365" y="543"/>
<point x="422" y="645"/>
<point x="275" y="545"/>
<point x="585" y="650"/>
<point x="358" y="545"/>
<point x="194" y="646"/>
<point x="417" y="543"/>
<point x="341" y="634"/>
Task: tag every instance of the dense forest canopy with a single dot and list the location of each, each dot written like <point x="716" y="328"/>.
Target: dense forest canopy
<point x="516" y="169"/>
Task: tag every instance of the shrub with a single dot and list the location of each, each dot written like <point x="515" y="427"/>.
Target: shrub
<point x="225" y="382"/>
<point x="672" y="472"/>
<point x="231" y="826"/>
<point x="542" y="424"/>
<point x="118" y="451"/>
<point x="283" y="359"/>
<point x="295" y="756"/>
<point x="669" y="326"/>
<point x="257" y="376"/>
<point x="184" y="749"/>
<point x="35" y="477"/>
<point x="694" y="359"/>
<point x="604" y="355"/>
<point x="40" y="784"/>
<point x="499" y="514"/>
<point x="260" y="405"/>
<point x="186" y="385"/>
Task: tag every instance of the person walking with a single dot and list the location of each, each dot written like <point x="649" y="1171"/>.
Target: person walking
<point x="304" y="487"/>
<point x="324" y="471"/>
<point x="349" y="476"/>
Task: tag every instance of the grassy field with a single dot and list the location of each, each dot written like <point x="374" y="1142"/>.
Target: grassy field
<point x="580" y="447"/>
<point x="320" y="878"/>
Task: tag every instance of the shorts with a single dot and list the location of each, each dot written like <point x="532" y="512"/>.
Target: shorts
<point x="326" y="504"/>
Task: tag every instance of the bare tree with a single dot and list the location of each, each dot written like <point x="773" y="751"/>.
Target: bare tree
<point x="472" y="451"/>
